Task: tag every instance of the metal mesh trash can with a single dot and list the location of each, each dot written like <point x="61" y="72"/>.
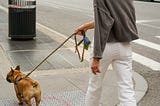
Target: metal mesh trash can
<point x="22" y="19"/>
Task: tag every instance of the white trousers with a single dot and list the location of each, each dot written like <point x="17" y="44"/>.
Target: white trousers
<point x="120" y="56"/>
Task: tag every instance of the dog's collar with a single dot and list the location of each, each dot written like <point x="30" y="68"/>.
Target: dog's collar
<point x="17" y="81"/>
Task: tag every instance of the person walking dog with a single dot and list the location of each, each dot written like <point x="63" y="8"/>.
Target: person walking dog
<point x="114" y="28"/>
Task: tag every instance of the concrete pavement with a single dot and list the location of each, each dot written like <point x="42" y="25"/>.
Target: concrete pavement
<point x="62" y="85"/>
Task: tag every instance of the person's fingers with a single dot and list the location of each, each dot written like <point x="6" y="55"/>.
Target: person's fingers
<point x="78" y="32"/>
<point x="98" y="71"/>
<point x="95" y="70"/>
<point x="95" y="66"/>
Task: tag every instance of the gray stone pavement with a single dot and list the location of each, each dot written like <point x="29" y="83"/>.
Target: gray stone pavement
<point x="62" y="78"/>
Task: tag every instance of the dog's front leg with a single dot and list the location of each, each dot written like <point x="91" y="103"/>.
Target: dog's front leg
<point x="18" y="96"/>
<point x="28" y="102"/>
<point x="19" y="99"/>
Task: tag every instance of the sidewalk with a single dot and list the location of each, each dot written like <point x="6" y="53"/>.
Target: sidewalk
<point x="62" y="85"/>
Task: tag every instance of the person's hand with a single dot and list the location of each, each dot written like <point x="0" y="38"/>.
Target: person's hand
<point x="95" y="66"/>
<point x="83" y="28"/>
<point x="80" y="29"/>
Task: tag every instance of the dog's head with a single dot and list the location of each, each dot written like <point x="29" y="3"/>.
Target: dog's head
<point x="13" y="74"/>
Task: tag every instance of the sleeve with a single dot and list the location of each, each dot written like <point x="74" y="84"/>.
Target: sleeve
<point x="103" y="25"/>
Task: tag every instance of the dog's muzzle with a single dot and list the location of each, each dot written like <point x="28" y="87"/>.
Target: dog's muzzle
<point x="8" y="80"/>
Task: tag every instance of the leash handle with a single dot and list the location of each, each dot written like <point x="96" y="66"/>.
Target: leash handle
<point x="86" y="42"/>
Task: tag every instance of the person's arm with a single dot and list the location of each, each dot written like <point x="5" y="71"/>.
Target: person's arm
<point x="84" y="27"/>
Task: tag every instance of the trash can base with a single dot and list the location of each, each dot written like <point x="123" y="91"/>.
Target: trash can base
<point x="22" y="39"/>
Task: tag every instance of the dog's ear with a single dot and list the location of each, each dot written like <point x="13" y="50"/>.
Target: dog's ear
<point x="12" y="69"/>
<point x="17" y="67"/>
